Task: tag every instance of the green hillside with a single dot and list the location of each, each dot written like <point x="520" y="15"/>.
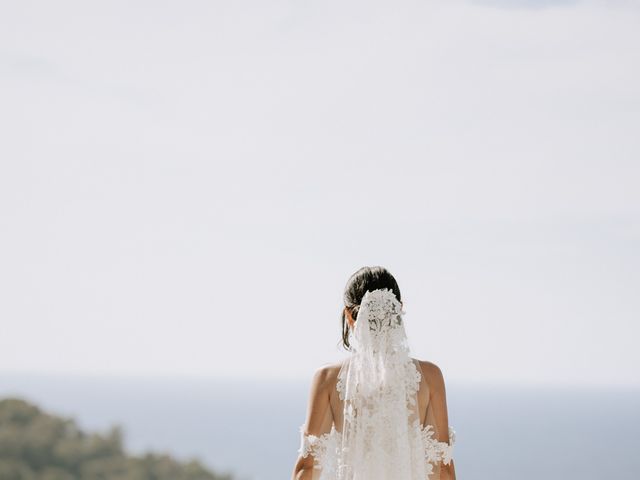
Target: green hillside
<point x="35" y="445"/>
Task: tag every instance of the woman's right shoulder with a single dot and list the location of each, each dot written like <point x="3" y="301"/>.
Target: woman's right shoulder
<point x="327" y="374"/>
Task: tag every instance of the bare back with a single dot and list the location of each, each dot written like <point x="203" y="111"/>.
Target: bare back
<point x="430" y="398"/>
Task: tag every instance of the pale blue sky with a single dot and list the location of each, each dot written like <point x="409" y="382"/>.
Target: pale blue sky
<point x="186" y="186"/>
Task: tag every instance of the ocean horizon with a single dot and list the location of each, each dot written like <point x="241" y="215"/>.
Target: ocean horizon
<point x="250" y="427"/>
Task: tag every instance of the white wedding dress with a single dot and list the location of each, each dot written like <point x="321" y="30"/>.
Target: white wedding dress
<point x="376" y="433"/>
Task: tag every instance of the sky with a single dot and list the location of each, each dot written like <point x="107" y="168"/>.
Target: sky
<point x="185" y="187"/>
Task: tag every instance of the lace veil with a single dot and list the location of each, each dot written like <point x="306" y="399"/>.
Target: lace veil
<point x="381" y="436"/>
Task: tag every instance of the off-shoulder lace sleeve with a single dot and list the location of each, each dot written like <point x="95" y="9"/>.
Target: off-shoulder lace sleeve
<point x="436" y="451"/>
<point x="309" y="444"/>
<point x="322" y="448"/>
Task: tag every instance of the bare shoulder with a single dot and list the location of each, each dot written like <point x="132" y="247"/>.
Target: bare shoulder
<point x="430" y="368"/>
<point x="433" y="374"/>
<point x="326" y="375"/>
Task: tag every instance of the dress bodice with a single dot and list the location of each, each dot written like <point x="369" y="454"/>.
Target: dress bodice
<point x="325" y="447"/>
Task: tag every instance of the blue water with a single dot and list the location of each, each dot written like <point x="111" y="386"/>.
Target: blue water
<point x="251" y="428"/>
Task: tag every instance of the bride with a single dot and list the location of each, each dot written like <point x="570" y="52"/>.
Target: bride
<point x="380" y="414"/>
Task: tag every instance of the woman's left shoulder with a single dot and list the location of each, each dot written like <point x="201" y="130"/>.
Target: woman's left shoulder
<point x="431" y="371"/>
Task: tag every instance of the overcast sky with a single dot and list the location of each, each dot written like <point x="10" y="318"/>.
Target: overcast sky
<point x="185" y="187"/>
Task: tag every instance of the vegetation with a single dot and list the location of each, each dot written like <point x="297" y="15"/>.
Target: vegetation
<point x="35" y="445"/>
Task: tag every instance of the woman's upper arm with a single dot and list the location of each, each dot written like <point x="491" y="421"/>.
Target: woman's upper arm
<point x="440" y="415"/>
<point x="318" y="405"/>
<point x="437" y="400"/>
<point x="317" y="422"/>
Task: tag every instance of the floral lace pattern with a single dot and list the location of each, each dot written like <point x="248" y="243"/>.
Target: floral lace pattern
<point x="436" y="451"/>
<point x="325" y="449"/>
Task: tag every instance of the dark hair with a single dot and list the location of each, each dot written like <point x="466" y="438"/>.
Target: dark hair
<point x="366" y="278"/>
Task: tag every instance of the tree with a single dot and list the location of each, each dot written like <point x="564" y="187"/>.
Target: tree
<point x="35" y="445"/>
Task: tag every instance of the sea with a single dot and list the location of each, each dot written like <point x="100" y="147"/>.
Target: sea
<point x="251" y="427"/>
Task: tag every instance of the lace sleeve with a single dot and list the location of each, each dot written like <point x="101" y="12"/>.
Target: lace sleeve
<point x="308" y="444"/>
<point x="322" y="448"/>
<point x="436" y="451"/>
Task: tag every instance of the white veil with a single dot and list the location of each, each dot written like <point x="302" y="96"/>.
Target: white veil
<point x="381" y="433"/>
